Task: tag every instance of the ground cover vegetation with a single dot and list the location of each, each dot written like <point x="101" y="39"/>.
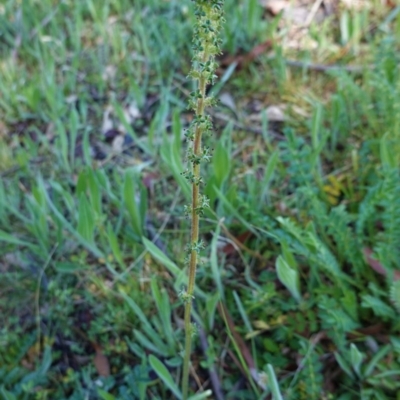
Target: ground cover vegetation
<point x="297" y="293"/>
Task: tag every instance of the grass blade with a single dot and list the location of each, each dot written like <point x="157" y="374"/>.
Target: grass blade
<point x="273" y="383"/>
<point x="164" y="375"/>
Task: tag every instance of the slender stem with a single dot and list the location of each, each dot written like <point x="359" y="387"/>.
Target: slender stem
<point x="194" y="239"/>
<point x="206" y="47"/>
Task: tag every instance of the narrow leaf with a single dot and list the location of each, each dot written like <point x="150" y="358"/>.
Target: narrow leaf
<point x="94" y="192"/>
<point x="270" y="168"/>
<point x="104" y="395"/>
<point x="221" y="163"/>
<point x="113" y="241"/>
<point x="288" y="277"/>
<point x="7" y="395"/>
<point x="160" y="256"/>
<point x="90" y="246"/>
<point x="356" y="358"/>
<point x="146" y="326"/>
<point x="343" y="364"/>
<point x="6" y="237"/>
<point x="164" y="375"/>
<point x="85" y="219"/>
<point x="66" y="267"/>
<point x="131" y="197"/>
<point x="202" y="395"/>
<point x="273" y="383"/>
<point x="214" y="262"/>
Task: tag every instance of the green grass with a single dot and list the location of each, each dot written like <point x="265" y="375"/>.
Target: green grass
<point x="92" y="238"/>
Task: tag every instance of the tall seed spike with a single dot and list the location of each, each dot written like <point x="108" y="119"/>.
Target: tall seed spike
<point x="206" y="45"/>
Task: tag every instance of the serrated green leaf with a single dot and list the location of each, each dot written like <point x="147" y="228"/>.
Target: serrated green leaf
<point x="291" y="228"/>
<point x="378" y="306"/>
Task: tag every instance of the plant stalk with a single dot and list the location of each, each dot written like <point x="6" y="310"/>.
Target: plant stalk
<point x="206" y="47"/>
<point x="194" y="239"/>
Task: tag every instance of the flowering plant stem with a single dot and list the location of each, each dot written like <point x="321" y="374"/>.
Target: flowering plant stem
<point x="206" y="45"/>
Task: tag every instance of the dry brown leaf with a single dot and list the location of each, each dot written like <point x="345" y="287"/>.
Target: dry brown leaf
<point x="376" y="331"/>
<point x="101" y="362"/>
<point x="242" y="59"/>
<point x="238" y="339"/>
<point x="376" y="265"/>
<point x="243" y="348"/>
<point x="229" y="248"/>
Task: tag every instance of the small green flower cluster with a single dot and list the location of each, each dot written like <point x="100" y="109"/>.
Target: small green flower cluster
<point x="191" y="177"/>
<point x="202" y="123"/>
<point x="196" y="247"/>
<point x="197" y="159"/>
<point x="206" y="42"/>
<point x="206" y="46"/>
<point x="204" y="203"/>
<point x="185" y="297"/>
